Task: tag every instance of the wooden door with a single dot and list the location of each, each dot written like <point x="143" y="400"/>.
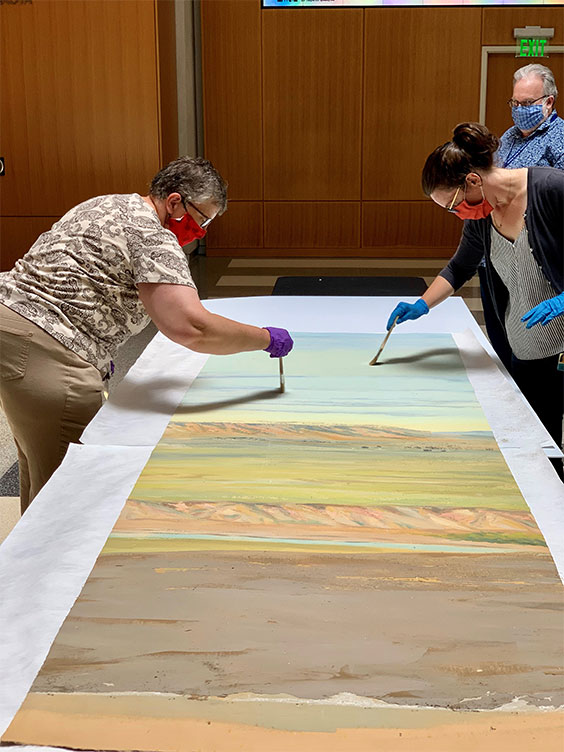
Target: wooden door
<point x="501" y="68"/>
<point x="417" y="88"/>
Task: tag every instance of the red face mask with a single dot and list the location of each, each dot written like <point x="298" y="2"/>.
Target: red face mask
<point x="464" y="210"/>
<point x="186" y="229"/>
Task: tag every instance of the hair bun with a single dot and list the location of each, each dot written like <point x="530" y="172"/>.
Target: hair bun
<point x="476" y="141"/>
<point x="472" y="146"/>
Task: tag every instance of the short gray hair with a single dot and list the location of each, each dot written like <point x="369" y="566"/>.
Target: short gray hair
<point x="542" y="72"/>
<point x="194" y="178"/>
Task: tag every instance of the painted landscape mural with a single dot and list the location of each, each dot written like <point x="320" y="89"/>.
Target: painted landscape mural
<point x="344" y="565"/>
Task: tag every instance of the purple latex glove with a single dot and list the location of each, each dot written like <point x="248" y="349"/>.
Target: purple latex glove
<point x="545" y="311"/>
<point x="280" y="342"/>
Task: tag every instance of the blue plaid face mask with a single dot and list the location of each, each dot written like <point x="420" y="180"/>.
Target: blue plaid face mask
<point x="527" y="118"/>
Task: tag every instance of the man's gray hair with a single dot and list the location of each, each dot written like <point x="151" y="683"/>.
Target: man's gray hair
<point x="194" y="178"/>
<point x="542" y="72"/>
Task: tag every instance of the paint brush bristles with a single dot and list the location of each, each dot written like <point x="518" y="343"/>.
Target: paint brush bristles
<point x="390" y="330"/>
<point x="282" y="377"/>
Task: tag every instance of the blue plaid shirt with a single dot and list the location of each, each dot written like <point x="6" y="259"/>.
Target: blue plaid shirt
<point x="543" y="148"/>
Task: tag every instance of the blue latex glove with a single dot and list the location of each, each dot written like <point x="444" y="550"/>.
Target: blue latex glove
<point x="545" y="311"/>
<point x="406" y="311"/>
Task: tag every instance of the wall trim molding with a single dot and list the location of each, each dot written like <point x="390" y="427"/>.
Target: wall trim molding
<point x="387" y="252"/>
<point x="187" y="72"/>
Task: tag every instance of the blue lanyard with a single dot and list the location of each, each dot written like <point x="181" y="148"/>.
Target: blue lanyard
<point x="508" y="160"/>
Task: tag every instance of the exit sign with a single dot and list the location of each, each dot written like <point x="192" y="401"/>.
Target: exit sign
<point x="532" y="48"/>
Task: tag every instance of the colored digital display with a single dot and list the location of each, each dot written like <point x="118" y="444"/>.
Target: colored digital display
<point x="400" y="3"/>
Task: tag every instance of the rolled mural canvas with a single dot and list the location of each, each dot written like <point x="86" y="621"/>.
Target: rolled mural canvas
<point x="345" y="566"/>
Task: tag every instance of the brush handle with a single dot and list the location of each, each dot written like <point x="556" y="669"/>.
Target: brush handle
<point x="282" y="377"/>
<point x="386" y="338"/>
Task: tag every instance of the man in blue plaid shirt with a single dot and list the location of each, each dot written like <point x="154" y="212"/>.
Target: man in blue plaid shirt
<point x="537" y="138"/>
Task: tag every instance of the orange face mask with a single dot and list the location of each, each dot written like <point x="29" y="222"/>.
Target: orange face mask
<point x="464" y="210"/>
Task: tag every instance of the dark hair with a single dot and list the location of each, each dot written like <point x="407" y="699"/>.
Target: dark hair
<point x="194" y="178"/>
<point x="472" y="147"/>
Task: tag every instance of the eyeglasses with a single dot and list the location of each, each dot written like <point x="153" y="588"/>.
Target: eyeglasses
<point x="207" y="219"/>
<point x="449" y="208"/>
<point x="527" y="103"/>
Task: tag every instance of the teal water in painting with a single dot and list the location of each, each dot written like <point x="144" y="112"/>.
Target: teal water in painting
<point x="413" y="547"/>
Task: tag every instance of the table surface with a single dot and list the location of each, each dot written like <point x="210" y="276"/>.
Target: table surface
<point x="48" y="556"/>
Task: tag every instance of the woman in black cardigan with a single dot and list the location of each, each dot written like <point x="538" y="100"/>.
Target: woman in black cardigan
<point x="514" y="219"/>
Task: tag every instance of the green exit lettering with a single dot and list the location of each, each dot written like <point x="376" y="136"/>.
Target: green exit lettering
<point x="532" y="47"/>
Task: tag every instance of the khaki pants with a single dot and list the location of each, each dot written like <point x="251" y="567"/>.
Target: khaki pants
<point x="48" y="393"/>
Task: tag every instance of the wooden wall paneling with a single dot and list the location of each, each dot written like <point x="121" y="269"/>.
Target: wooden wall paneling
<point x="395" y="227"/>
<point x="239" y="227"/>
<point x="79" y="88"/>
<point x="166" y="65"/>
<point x="312" y="225"/>
<point x="312" y="82"/>
<point x="501" y="68"/>
<point x="18" y="234"/>
<point x="498" y="23"/>
<point x="231" y="69"/>
<point x="422" y="77"/>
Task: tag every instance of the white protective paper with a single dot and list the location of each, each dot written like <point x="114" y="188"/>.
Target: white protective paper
<point x="47" y="557"/>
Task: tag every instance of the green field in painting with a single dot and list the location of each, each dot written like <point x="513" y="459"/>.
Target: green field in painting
<point x="417" y="469"/>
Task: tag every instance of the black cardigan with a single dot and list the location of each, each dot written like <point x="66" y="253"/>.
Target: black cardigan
<point x="544" y="218"/>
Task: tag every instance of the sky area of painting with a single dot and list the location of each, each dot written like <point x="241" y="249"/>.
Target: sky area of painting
<point x="328" y="380"/>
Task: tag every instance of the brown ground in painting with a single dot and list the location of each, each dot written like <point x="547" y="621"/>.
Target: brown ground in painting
<point x="414" y="629"/>
<point x="175" y="724"/>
